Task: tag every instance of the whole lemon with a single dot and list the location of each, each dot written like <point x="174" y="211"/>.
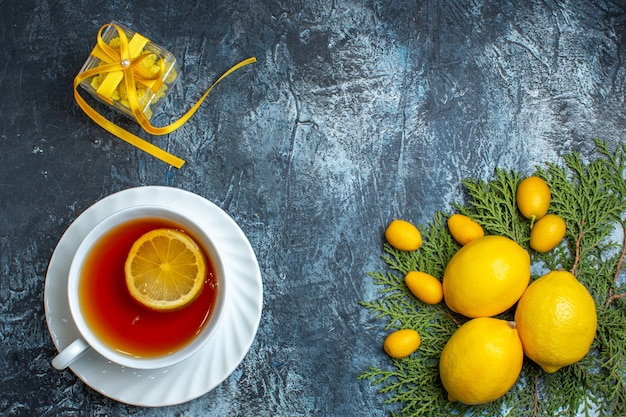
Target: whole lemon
<point x="486" y="276"/>
<point x="547" y="233"/>
<point x="403" y="235"/>
<point x="556" y="320"/>
<point x="481" y="361"/>
<point x="463" y="229"/>
<point x="401" y="343"/>
<point x="533" y="197"/>
<point x="425" y="287"/>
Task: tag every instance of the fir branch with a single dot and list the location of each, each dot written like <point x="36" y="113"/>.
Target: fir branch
<point x="438" y="247"/>
<point x="618" y="269"/>
<point x="389" y="281"/>
<point x="584" y="196"/>
<point x="591" y="198"/>
<point x="493" y="206"/>
<point x="615" y="163"/>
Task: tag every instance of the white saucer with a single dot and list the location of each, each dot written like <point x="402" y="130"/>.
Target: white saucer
<point x="208" y="367"/>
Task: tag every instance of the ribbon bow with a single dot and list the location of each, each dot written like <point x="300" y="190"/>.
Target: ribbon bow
<point x="124" y="65"/>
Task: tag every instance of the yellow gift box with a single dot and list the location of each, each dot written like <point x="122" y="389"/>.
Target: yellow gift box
<point x="154" y="72"/>
<point x="128" y="72"/>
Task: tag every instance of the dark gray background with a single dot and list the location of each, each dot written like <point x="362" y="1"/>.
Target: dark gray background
<point x="356" y="112"/>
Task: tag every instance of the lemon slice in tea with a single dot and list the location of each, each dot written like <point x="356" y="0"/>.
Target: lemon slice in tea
<point x="165" y="269"/>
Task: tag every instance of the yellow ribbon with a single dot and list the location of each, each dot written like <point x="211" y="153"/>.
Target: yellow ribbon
<point x="127" y="63"/>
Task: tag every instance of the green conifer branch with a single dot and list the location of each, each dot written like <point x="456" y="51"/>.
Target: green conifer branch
<point x="591" y="197"/>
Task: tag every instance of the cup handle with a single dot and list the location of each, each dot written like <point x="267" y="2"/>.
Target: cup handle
<point x="68" y="355"/>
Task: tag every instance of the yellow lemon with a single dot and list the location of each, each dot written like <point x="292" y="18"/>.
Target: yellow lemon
<point x="463" y="229"/>
<point x="533" y="197"/>
<point x="546" y="233"/>
<point x="165" y="269"/>
<point x="481" y="361"/>
<point x="401" y="343"/>
<point x="403" y="235"/>
<point x="425" y="287"/>
<point x="486" y="277"/>
<point x="556" y="319"/>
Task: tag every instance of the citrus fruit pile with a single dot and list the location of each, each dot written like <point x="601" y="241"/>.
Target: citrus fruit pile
<point x="165" y="269"/>
<point x="554" y="316"/>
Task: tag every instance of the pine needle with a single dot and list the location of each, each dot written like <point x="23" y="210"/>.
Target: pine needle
<point x="591" y="197"/>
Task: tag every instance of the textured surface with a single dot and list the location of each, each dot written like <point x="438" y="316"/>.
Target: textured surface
<point x="355" y="113"/>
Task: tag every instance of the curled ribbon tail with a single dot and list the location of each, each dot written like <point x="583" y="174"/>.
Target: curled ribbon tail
<point x="148" y="127"/>
<point x="124" y="134"/>
<point x="127" y="68"/>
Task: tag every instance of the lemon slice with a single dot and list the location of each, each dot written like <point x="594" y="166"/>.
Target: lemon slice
<point x="165" y="269"/>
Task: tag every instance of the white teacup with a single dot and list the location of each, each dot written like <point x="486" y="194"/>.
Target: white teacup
<point x="90" y="340"/>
